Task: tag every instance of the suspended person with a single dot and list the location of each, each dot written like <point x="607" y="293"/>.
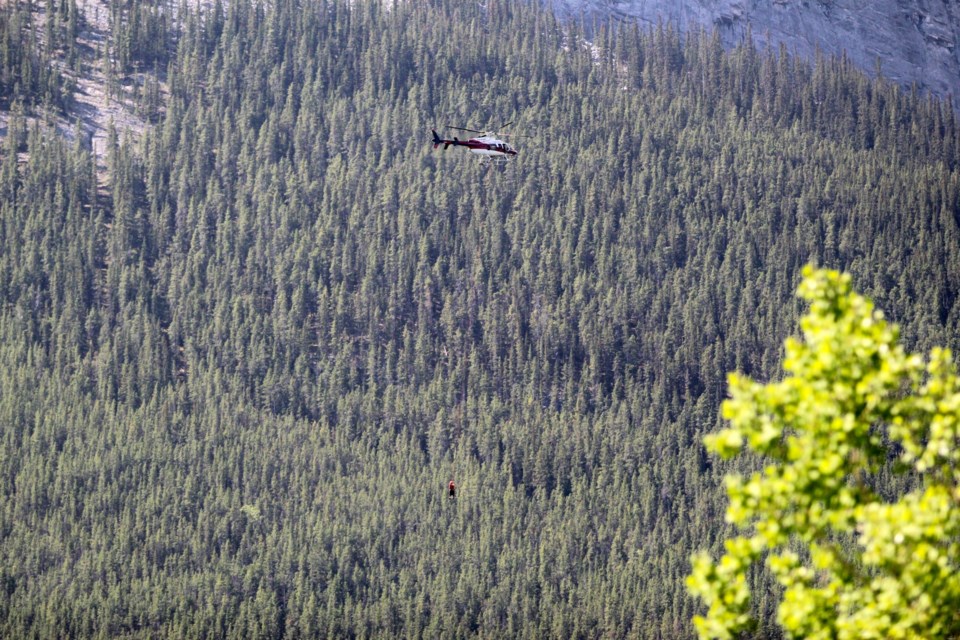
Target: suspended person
<point x="452" y="490"/>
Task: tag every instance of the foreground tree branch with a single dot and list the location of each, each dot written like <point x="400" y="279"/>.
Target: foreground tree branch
<point x="852" y="564"/>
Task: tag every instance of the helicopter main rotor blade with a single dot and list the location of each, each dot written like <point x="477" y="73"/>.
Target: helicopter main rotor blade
<point x="465" y="129"/>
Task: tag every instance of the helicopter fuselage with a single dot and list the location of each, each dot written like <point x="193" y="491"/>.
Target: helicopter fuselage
<point x="490" y="147"/>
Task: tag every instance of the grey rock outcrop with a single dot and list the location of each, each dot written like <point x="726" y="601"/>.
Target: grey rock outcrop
<point x="913" y="40"/>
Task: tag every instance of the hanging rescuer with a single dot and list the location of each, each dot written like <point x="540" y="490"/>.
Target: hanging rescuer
<point x="452" y="490"/>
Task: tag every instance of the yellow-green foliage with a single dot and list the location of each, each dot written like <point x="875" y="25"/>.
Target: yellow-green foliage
<point x="852" y="564"/>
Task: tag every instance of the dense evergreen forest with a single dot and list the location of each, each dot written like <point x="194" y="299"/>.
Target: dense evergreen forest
<point x="28" y="69"/>
<point x="235" y="380"/>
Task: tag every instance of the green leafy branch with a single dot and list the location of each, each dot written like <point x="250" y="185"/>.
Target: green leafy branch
<point x="875" y="570"/>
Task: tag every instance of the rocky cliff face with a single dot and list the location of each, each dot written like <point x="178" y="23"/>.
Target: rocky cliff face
<point x="914" y="40"/>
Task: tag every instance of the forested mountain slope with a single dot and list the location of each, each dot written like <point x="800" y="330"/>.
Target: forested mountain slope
<point x="233" y="388"/>
<point x="909" y="41"/>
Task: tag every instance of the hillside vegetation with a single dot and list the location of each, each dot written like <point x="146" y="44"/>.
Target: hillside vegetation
<point x="234" y="386"/>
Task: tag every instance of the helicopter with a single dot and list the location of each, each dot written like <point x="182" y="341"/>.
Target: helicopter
<point x="486" y="144"/>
